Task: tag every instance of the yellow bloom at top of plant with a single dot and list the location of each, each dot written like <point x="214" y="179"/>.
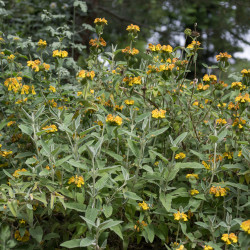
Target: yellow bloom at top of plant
<point x="200" y="86"/>
<point x="159" y="113"/>
<point x="180" y="216"/>
<point x="5" y="153"/>
<point x="23" y="238"/>
<point x="208" y="78"/>
<point x="245" y="225"/>
<point x="180" y="156"/>
<point x="143" y="205"/>
<point x="46" y="66"/>
<point x="78" y="180"/>
<point x="140" y="225"/>
<point x="181" y="247"/>
<point x="52" y="89"/>
<point x="207" y="247"/>
<point x="10" y="123"/>
<point x="164" y="67"/>
<point x="34" y="65"/>
<point x="228" y="155"/>
<point x="223" y="56"/>
<point x="22" y="221"/>
<point x="129" y="51"/>
<point x="42" y="43"/>
<point x="17" y="172"/>
<point x="86" y="74"/>
<point x="130" y="81"/>
<point x="133" y="28"/>
<point x="242" y="98"/>
<point x="207" y="166"/>
<point x="50" y="128"/>
<point x="239" y="122"/>
<point x="229" y="238"/>
<point x="220" y="121"/>
<point x="194" y="192"/>
<point x="114" y="120"/>
<point x="97" y="42"/>
<point x="238" y="85"/>
<point x="194" y="45"/>
<point x="160" y="48"/>
<point x="118" y="108"/>
<point x="129" y="102"/>
<point x="100" y="21"/>
<point x="245" y="72"/>
<point x="218" y="191"/>
<point x="60" y="53"/>
<point x="192" y="176"/>
<point x="11" y="57"/>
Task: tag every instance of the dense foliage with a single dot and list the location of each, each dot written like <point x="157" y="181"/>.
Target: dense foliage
<point x="121" y="155"/>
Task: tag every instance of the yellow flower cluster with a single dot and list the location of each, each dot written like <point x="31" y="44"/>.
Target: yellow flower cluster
<point x="238" y="85"/>
<point x="78" y="180"/>
<point x="34" y="65"/>
<point x="143" y="205"/>
<point x="60" y="53"/>
<point x="129" y="51"/>
<point x="192" y="176"/>
<point x="207" y="247"/>
<point x="207" y="166"/>
<point x="17" y="172"/>
<point x="13" y="83"/>
<point x="194" y="192"/>
<point x="86" y="74"/>
<point x="245" y="225"/>
<point x="130" y="81"/>
<point x="196" y="103"/>
<point x="180" y="216"/>
<point x="118" y="108"/>
<point x="97" y="42"/>
<point x="52" y="103"/>
<point x="231" y="106"/>
<point x="194" y="45"/>
<point x="208" y="78"/>
<point x="23" y="238"/>
<point x="160" y="48"/>
<point x="133" y="28"/>
<point x="229" y="238"/>
<point x="114" y="120"/>
<point x="11" y="57"/>
<point x="180" y="156"/>
<point x="52" y="89"/>
<point x="218" y="191"/>
<point x="129" y="102"/>
<point x="245" y="72"/>
<point x="243" y="98"/>
<point x="228" y="155"/>
<point x="223" y="56"/>
<point x="239" y="122"/>
<point x="165" y="67"/>
<point x="10" y="123"/>
<point x="50" y="128"/>
<point x="101" y="21"/>
<point x="220" y="121"/>
<point x="5" y="153"/>
<point x="42" y="43"/>
<point x="152" y="69"/>
<point x="200" y="86"/>
<point x="159" y="113"/>
<point x="139" y="226"/>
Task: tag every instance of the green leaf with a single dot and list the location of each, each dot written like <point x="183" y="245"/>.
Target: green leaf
<point x="77" y="164"/>
<point x="61" y="161"/>
<point x="202" y="224"/>
<point x="101" y="182"/>
<point x="132" y="145"/>
<point x="150" y="232"/>
<point x="3" y="124"/>
<point x="4" y="233"/>
<point x="166" y="201"/>
<point x="82" y="5"/>
<point x="213" y="138"/>
<point x="37" y="233"/>
<point x="132" y="196"/>
<point x="156" y="133"/>
<point x="180" y="138"/>
<point x="87" y="242"/>
<point x="26" y="129"/>
<point x="108" y="224"/>
<point x="191" y="165"/>
<point x="117" y="229"/>
<point x="71" y="243"/>
<point x="107" y="210"/>
<point x="113" y="155"/>
<point x="142" y="117"/>
<point x="87" y="131"/>
<point x="159" y="155"/>
<point x="76" y="206"/>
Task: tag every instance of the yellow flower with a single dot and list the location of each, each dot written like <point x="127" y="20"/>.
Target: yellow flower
<point x="133" y="28"/>
<point x="11" y="57"/>
<point x="240" y="153"/>
<point x="180" y="156"/>
<point x="180" y="216"/>
<point x="129" y="102"/>
<point x="47" y="167"/>
<point x="223" y="56"/>
<point x="50" y="128"/>
<point x="52" y="89"/>
<point x="192" y="176"/>
<point x="23" y="238"/>
<point x="220" y="121"/>
<point x="5" y="153"/>
<point x="229" y="238"/>
<point x="143" y="205"/>
<point x="159" y="113"/>
<point x="60" y="53"/>
<point x="194" y="45"/>
<point x="132" y="80"/>
<point x="128" y="51"/>
<point x="34" y="65"/>
<point x="239" y="122"/>
<point x="242" y="98"/>
<point x="114" y="120"/>
<point x="139" y="226"/>
<point x="97" y="42"/>
<point x="85" y="74"/>
<point x="218" y="191"/>
<point x="17" y="172"/>
<point x="100" y="21"/>
<point x="207" y="247"/>
<point x="22" y="221"/>
<point x="180" y="248"/>
<point x="228" y="155"/>
<point x="78" y="180"/>
<point x="194" y="192"/>
<point x="118" y="108"/>
<point x="245" y="72"/>
<point x="42" y="43"/>
<point x="10" y="123"/>
<point x="245" y="225"/>
<point x="79" y="93"/>
<point x="166" y="48"/>
<point x="238" y="85"/>
<point x="207" y="166"/>
<point x="46" y="66"/>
